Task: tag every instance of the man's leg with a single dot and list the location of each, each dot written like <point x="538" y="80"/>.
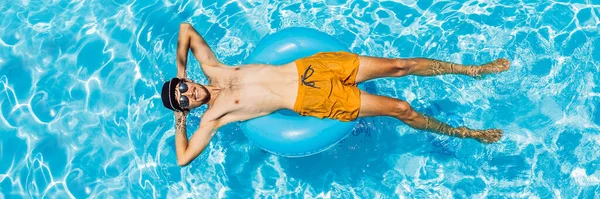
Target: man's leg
<point x="374" y="105"/>
<point x="375" y="67"/>
<point x="429" y="67"/>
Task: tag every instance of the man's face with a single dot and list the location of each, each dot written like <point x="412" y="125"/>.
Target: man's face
<point x="191" y="95"/>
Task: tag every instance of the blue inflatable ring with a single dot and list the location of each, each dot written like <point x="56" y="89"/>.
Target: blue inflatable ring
<point x="284" y="132"/>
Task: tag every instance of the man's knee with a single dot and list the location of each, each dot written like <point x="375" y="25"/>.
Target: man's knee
<point x="399" y="64"/>
<point x="403" y="110"/>
<point x="401" y="67"/>
<point x="184" y="26"/>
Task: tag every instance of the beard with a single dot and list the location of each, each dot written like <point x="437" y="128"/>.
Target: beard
<point x="207" y="96"/>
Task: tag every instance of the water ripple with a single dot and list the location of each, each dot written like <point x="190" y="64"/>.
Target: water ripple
<point x="81" y="116"/>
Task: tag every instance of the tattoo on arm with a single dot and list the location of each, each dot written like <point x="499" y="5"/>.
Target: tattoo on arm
<point x="178" y="125"/>
<point x="180" y="122"/>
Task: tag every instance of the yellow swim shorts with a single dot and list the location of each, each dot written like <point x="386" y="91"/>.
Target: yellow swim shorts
<point x="327" y="87"/>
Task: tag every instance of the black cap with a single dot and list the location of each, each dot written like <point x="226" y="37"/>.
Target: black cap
<point x="168" y="95"/>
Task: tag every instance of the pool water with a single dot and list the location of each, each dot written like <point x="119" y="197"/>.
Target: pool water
<point x="80" y="113"/>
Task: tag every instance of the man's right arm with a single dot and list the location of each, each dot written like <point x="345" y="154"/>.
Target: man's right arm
<point x="186" y="152"/>
<point x="190" y="39"/>
<point x="210" y="122"/>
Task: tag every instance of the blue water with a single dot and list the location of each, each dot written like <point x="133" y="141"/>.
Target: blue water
<point x="81" y="115"/>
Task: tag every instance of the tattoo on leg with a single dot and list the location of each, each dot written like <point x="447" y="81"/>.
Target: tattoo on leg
<point x="430" y="67"/>
<point x="441" y="67"/>
<point x="437" y="126"/>
<point x="437" y="67"/>
<point x="424" y="122"/>
<point x="484" y="136"/>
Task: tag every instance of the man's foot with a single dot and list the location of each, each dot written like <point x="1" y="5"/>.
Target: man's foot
<point x="497" y="66"/>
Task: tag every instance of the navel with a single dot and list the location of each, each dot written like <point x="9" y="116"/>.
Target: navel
<point x="237" y="101"/>
<point x="237" y="68"/>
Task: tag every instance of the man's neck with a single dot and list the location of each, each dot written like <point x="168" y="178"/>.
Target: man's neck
<point x="214" y="91"/>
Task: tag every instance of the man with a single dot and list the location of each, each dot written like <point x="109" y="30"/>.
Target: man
<point x="322" y="85"/>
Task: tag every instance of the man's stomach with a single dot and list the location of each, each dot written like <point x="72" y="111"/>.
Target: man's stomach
<point x="273" y="87"/>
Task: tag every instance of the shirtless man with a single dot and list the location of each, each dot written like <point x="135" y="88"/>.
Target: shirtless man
<point x="322" y="85"/>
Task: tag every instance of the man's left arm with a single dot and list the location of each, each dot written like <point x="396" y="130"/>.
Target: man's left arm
<point x="190" y="39"/>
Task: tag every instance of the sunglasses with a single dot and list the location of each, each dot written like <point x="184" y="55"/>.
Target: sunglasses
<point x="184" y="101"/>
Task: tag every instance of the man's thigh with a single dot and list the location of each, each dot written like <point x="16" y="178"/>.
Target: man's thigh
<point x="377" y="67"/>
<point x="376" y="105"/>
